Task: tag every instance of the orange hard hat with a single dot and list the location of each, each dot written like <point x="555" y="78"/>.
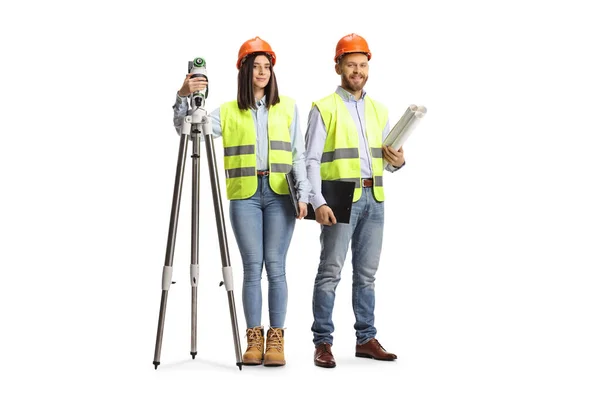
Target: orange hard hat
<point x="352" y="43"/>
<point x="256" y="45"/>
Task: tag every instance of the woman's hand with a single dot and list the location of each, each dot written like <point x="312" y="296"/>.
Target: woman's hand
<point x="191" y="85"/>
<point x="303" y="208"/>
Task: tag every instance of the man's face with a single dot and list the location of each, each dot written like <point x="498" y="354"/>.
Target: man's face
<point x="354" y="69"/>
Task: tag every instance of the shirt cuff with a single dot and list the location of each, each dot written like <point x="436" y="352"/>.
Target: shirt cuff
<point x="317" y="201"/>
<point x="180" y="99"/>
<point x="391" y="168"/>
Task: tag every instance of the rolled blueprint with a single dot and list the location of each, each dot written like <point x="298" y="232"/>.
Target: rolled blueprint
<point x="404" y="127"/>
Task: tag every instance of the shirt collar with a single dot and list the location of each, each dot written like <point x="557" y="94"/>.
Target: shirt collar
<point x="347" y="96"/>
<point x="262" y="101"/>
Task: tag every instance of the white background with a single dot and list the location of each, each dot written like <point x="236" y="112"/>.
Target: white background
<point x="488" y="284"/>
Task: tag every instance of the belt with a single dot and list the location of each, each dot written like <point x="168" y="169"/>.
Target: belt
<point x="262" y="173"/>
<point x="366" y="182"/>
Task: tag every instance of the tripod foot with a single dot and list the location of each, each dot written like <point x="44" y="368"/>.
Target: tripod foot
<point x="156" y="364"/>
<point x="239" y="365"/>
<point x="193" y="355"/>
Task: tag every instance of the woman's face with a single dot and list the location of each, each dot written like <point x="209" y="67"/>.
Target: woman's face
<point x="261" y="72"/>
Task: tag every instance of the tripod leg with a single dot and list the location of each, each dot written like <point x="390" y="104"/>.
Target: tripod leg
<point x="227" y="272"/>
<point x="168" y="268"/>
<point x="194" y="268"/>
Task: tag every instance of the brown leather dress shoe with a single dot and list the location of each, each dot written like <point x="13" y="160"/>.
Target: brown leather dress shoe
<point x="324" y="356"/>
<point x="372" y="349"/>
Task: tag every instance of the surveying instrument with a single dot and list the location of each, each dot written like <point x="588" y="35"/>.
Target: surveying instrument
<point x="195" y="124"/>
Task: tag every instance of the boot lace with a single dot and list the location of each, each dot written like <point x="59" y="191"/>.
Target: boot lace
<point x="275" y="339"/>
<point x="254" y="336"/>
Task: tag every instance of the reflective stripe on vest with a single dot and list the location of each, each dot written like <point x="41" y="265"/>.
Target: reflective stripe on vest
<point x="239" y="147"/>
<point x="341" y="158"/>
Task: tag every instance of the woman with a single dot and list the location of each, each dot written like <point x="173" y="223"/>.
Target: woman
<point x="262" y="143"/>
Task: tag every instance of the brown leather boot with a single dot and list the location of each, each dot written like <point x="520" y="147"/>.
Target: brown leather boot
<point x="274" y="354"/>
<point x="256" y="344"/>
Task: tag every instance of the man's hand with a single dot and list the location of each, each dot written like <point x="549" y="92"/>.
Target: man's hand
<point x="396" y="158"/>
<point x="191" y="85"/>
<point x="303" y="209"/>
<point x="325" y="216"/>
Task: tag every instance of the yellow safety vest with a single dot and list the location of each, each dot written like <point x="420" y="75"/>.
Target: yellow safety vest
<point x="341" y="158"/>
<point x="239" y="145"/>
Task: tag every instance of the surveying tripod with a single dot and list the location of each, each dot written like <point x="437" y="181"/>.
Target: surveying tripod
<point x="195" y="124"/>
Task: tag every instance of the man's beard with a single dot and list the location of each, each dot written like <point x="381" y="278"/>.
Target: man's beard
<point x="355" y="87"/>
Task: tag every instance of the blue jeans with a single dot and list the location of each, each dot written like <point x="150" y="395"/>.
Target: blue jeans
<point x="263" y="225"/>
<point x="365" y="231"/>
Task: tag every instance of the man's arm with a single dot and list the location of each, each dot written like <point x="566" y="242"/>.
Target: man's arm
<point x="315" y="142"/>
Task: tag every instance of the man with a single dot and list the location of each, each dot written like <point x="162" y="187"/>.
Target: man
<point x="344" y="142"/>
